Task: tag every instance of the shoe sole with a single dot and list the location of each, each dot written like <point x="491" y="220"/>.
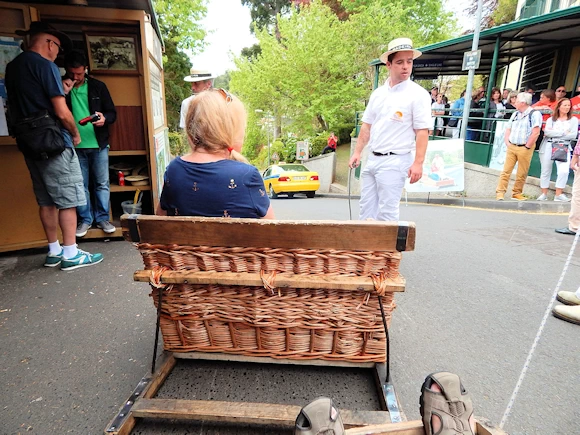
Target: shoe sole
<point x="108" y="231"/>
<point x="81" y="265"/>
<point x="516" y="199"/>
<point x="565" y="302"/>
<point x="52" y="264"/>
<point x="82" y="234"/>
<point x="566" y="319"/>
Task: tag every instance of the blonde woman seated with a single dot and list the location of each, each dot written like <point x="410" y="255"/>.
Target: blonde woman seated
<point x="214" y="179"/>
<point x="561" y="126"/>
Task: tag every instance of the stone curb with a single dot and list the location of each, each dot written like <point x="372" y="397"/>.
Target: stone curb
<point x="483" y="203"/>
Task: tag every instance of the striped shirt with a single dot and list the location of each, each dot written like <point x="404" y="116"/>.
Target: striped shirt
<point x="521" y="127"/>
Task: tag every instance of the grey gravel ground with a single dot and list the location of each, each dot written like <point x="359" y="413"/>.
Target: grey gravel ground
<point x="74" y="345"/>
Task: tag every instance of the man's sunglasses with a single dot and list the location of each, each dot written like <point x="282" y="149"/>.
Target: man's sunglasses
<point x="60" y="50"/>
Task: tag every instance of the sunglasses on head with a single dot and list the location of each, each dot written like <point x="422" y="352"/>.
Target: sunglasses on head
<point x="227" y="96"/>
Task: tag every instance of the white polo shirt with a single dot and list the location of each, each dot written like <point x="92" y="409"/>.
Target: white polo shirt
<point x="394" y="114"/>
<point x="184" y="108"/>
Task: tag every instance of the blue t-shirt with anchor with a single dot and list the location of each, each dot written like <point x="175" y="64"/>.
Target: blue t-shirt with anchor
<point x="225" y="188"/>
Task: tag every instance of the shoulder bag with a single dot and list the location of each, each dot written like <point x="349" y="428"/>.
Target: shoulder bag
<point x="560" y="150"/>
<point x="39" y="137"/>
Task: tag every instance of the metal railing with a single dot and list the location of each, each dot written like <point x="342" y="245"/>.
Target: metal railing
<point x="482" y="146"/>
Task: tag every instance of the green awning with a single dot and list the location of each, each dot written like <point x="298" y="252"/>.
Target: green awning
<point x="517" y="39"/>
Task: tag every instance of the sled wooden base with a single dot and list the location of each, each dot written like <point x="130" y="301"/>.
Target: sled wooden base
<point x="142" y="404"/>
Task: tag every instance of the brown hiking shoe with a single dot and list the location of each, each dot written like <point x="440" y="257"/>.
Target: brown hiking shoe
<point x="319" y="417"/>
<point x="448" y="402"/>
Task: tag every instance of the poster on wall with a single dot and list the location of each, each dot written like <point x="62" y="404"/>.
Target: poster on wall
<point x="161" y="142"/>
<point x="9" y="49"/>
<point x="156" y="95"/>
<point x="443" y="169"/>
<point x="302" y="150"/>
<point x="499" y="148"/>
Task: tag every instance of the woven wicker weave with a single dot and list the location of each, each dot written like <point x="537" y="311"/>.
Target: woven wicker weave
<point x="281" y="323"/>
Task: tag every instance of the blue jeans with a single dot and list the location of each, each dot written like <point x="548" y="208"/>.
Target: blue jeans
<point x="95" y="168"/>
<point x="470" y="134"/>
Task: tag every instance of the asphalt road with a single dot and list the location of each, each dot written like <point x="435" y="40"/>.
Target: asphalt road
<point x="74" y="345"/>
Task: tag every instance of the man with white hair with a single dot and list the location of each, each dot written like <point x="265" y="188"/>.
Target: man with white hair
<point x="200" y="80"/>
<point x="520" y="138"/>
<point x="396" y="122"/>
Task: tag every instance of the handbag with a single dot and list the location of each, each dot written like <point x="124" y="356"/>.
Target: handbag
<point x="452" y="122"/>
<point x="39" y="137"/>
<point x="560" y="151"/>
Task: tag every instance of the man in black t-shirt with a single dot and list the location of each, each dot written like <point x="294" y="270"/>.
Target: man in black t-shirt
<point x="34" y="86"/>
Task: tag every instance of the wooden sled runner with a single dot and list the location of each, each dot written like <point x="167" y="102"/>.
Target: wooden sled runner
<point x="259" y="291"/>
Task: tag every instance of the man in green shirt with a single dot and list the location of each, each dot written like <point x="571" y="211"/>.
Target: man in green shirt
<point x="90" y="96"/>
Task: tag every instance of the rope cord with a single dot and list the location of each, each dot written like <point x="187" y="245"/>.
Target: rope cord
<point x="510" y="405"/>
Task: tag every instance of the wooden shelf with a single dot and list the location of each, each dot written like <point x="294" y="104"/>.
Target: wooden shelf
<point x="128" y="153"/>
<point x="116" y="188"/>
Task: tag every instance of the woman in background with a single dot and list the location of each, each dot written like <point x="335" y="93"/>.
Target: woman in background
<point x="437" y="109"/>
<point x="214" y="179"/>
<point x="561" y="126"/>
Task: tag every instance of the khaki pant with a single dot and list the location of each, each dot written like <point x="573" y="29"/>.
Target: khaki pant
<point x="574" y="216"/>
<point x="522" y="156"/>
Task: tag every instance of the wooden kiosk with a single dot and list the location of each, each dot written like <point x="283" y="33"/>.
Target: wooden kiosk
<point x="139" y="139"/>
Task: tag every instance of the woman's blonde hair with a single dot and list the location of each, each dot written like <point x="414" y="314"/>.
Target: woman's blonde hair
<point x="216" y="121"/>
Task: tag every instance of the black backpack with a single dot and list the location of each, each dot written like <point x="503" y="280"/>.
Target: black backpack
<point x="541" y="135"/>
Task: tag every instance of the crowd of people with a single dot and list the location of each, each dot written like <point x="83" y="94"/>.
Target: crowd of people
<point x="552" y="110"/>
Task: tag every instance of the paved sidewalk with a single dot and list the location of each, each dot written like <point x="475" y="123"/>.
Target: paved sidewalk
<point x="530" y="206"/>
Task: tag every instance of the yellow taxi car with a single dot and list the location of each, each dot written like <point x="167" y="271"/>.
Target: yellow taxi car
<point x="290" y="178"/>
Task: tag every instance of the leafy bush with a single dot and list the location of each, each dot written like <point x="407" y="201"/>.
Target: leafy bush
<point x="178" y="145"/>
<point x="318" y="143"/>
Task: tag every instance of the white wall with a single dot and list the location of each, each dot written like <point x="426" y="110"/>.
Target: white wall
<point x="325" y="166"/>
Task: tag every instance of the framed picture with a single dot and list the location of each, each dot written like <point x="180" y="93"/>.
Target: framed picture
<point x="113" y="54"/>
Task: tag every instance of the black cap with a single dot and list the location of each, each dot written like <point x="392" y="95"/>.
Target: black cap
<point x="42" y="27"/>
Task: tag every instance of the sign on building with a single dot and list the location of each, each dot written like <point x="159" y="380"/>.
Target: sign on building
<point x="471" y="60"/>
<point x="302" y="150"/>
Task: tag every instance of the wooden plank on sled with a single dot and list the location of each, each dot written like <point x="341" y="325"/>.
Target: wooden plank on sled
<point x="241" y="413"/>
<point x="266" y="233"/>
<point x="415" y="427"/>
<point x="282" y="280"/>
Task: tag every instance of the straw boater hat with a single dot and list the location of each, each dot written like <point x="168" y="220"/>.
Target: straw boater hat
<point x="42" y="27"/>
<point x="399" y="44"/>
<point x="197" y="75"/>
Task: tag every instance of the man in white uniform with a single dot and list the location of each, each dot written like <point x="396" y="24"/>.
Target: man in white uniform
<point x="395" y="123"/>
<point x="200" y="80"/>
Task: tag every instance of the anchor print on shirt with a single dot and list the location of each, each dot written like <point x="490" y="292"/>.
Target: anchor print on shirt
<point x="262" y="193"/>
<point x="233" y="184"/>
<point x="226" y="214"/>
<point x="195" y="188"/>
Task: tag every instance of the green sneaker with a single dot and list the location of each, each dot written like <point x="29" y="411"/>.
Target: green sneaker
<point x="53" y="260"/>
<point x="82" y="259"/>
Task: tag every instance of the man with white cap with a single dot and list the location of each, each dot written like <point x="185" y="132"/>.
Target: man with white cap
<point x="396" y="122"/>
<point x="200" y="80"/>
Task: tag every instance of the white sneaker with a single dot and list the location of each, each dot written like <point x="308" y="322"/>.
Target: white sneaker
<point x="542" y="197"/>
<point x="562" y="198"/>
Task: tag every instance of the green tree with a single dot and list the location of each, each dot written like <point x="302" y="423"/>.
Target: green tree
<point x="494" y="12"/>
<point x="265" y="13"/>
<point x="317" y="76"/>
<point x="180" y="29"/>
<point x="179" y="22"/>
<point x="222" y="81"/>
<point x="176" y="66"/>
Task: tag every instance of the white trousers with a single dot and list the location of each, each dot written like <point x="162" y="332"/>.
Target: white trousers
<point x="457" y="130"/>
<point x="546" y="162"/>
<point x="383" y="179"/>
